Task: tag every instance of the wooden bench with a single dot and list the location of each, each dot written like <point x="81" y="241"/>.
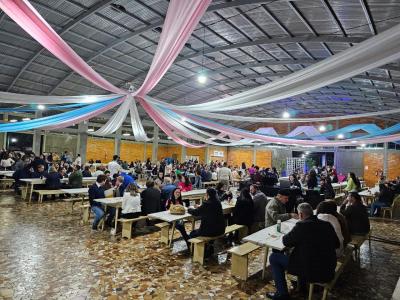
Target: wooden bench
<point x="127" y="225"/>
<point x="85" y="213"/>
<point x="341" y="263"/>
<point x="240" y="259"/>
<point x="199" y="243"/>
<point x="42" y="193"/>
<point x="73" y="200"/>
<point x="164" y="233"/>
<point x="6" y="183"/>
<point x="357" y="241"/>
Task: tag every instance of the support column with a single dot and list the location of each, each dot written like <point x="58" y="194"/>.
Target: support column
<point x="254" y="154"/>
<point x="145" y="151"/>
<point x="385" y="159"/>
<point x="155" y="144"/>
<point x="183" y="153"/>
<point x="207" y="155"/>
<point x="37" y="135"/>
<point x="3" y="135"/>
<point x="81" y="145"/>
<point x="117" y="142"/>
<point x="44" y="140"/>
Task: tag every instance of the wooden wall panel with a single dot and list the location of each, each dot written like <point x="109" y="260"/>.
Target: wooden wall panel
<point x="264" y="158"/>
<point x="393" y="165"/>
<point x="217" y="158"/>
<point x="200" y="152"/>
<point x="149" y="150"/>
<point x="373" y="162"/>
<point x="162" y="152"/>
<point x="131" y="151"/>
<point x="238" y="155"/>
<point x="100" y="149"/>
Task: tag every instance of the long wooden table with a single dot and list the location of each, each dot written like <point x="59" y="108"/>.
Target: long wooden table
<point x="270" y="238"/>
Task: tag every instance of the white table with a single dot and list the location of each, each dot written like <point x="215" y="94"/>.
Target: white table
<point x="369" y="194"/>
<point x="166" y="216"/>
<point x="115" y="202"/>
<point x="7" y="173"/>
<point x="79" y="191"/>
<point x="193" y="193"/>
<point x="270" y="238"/>
<point x="30" y="183"/>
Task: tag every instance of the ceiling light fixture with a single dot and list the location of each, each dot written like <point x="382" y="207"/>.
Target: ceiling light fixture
<point x="14" y="140"/>
<point x="363" y="145"/>
<point x="126" y="134"/>
<point x="26" y="119"/>
<point x="202" y="78"/>
<point x="41" y="107"/>
<point x="353" y="142"/>
<point x="90" y="130"/>
<point x="286" y="115"/>
<point x="322" y="128"/>
<point x="340" y="136"/>
<point x="13" y="120"/>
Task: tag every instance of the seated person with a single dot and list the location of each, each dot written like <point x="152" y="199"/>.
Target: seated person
<point x="243" y="211"/>
<point x="326" y="188"/>
<point x="259" y="204"/>
<point x="384" y="199"/>
<point x="40" y="172"/>
<point x="75" y="178"/>
<point x="353" y="184"/>
<point x="119" y="187"/>
<point x="313" y="257"/>
<point x="326" y="213"/>
<point x="197" y="180"/>
<point x="86" y="172"/>
<point x="131" y="203"/>
<point x="185" y="185"/>
<point x="96" y="191"/>
<point x="221" y="193"/>
<point x="150" y="199"/>
<point x="294" y="182"/>
<point x="212" y="218"/>
<point x="276" y="209"/>
<point x="175" y="199"/>
<point x="53" y="180"/>
<point x="356" y="214"/>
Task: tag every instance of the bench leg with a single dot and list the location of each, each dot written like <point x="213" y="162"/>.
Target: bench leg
<point x="198" y="253"/>
<point x="243" y="232"/>
<point x="325" y="294"/>
<point x="127" y="230"/>
<point x="239" y="266"/>
<point x="164" y="235"/>
<point x="172" y="234"/>
<point x="85" y="215"/>
<point x="40" y="198"/>
<point x="310" y="291"/>
<point x="265" y="261"/>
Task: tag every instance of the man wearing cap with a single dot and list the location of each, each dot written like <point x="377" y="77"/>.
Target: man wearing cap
<point x="276" y="209"/>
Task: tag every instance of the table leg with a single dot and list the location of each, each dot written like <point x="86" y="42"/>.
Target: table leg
<point x="172" y="234"/>
<point x="116" y="220"/>
<point x="30" y="193"/>
<point x="265" y="261"/>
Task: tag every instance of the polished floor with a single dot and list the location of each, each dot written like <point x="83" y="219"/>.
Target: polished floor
<point x="46" y="254"/>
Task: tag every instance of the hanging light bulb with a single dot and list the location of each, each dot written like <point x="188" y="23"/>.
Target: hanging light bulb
<point x="363" y="145"/>
<point x="41" y="107"/>
<point x="286" y="115"/>
<point x="322" y="128"/>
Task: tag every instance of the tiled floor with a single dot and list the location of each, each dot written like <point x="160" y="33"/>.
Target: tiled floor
<point x="46" y="254"/>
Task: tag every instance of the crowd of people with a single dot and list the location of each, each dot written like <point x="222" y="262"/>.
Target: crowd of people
<point x="316" y="241"/>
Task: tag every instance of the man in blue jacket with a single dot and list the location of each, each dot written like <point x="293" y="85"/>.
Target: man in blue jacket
<point x="96" y="191"/>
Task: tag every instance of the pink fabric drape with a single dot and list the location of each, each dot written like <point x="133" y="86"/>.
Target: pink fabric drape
<point x="181" y="19"/>
<point x="26" y="16"/>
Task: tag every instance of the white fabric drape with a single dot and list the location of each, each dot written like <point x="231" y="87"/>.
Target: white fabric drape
<point x="14" y="98"/>
<point x="116" y="120"/>
<point x="309" y="131"/>
<point x="372" y="53"/>
<point x="137" y="128"/>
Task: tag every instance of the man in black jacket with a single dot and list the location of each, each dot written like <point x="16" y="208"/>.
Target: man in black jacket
<point x="356" y="214"/>
<point x="150" y="199"/>
<point x="96" y="191"/>
<point x="313" y="258"/>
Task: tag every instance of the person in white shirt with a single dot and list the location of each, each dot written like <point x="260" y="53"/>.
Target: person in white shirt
<point x="131" y="203"/>
<point x="7" y="162"/>
<point x="78" y="160"/>
<point x="113" y="166"/>
<point x="225" y="175"/>
<point x="325" y="213"/>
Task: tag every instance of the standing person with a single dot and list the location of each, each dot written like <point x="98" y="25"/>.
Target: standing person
<point x="356" y="214"/>
<point x="313" y="258"/>
<point x="7" y="162"/>
<point x="197" y="180"/>
<point x="96" y="191"/>
<point x="276" y="209"/>
<point x="312" y="182"/>
<point x="78" y="160"/>
<point x="225" y="175"/>
<point x="113" y="166"/>
<point x="260" y="201"/>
